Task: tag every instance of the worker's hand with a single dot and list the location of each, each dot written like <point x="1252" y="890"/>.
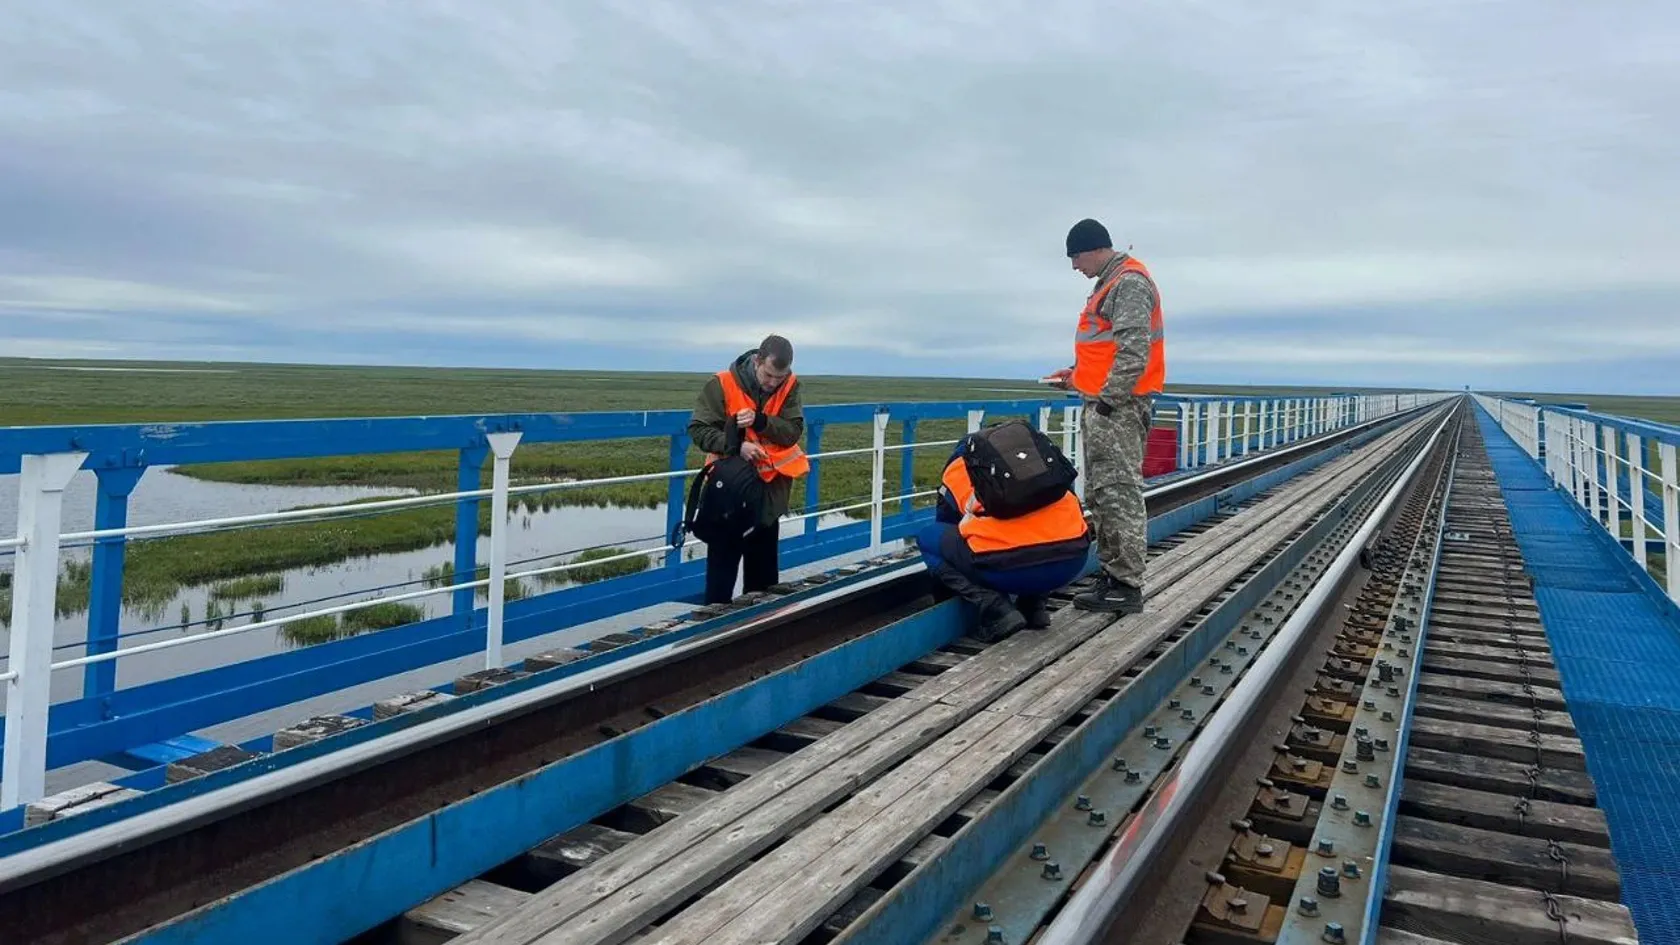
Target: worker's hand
<point x="744" y="417"/>
<point x="752" y="452"/>
<point x="1061" y="380"/>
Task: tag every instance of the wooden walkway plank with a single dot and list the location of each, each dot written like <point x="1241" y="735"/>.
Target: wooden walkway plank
<point x="1502" y="812"/>
<point x="1549" y="721"/>
<point x="1494" y="742"/>
<point x="1467" y="910"/>
<point x="1487" y="690"/>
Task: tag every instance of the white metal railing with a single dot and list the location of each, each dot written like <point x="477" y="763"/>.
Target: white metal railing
<point x="1611" y="467"/>
<point x="1211" y="431"/>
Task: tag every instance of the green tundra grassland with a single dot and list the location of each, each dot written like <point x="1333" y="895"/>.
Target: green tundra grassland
<point x="34" y="392"/>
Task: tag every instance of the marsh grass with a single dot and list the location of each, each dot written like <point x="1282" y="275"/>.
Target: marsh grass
<point x="323" y="629"/>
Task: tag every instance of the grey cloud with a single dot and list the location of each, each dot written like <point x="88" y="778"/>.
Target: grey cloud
<point x="880" y="177"/>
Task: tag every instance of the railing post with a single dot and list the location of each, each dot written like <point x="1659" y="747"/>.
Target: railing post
<point x="676" y="496"/>
<point x="907" y="464"/>
<point x="1213" y="432"/>
<point x="1671" y="519"/>
<point x="1612" y="517"/>
<point x="1183" y="434"/>
<point x="1074" y="446"/>
<point x="878" y="460"/>
<point x="813" y="445"/>
<point x="41" y="485"/>
<point x="1636" y="496"/>
<point x="1248" y="425"/>
<point x="105" y="602"/>
<point x="502" y="445"/>
<point x="467" y="479"/>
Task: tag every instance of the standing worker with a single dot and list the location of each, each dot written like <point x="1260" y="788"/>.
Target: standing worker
<point x="759" y="394"/>
<point x="1119" y="367"/>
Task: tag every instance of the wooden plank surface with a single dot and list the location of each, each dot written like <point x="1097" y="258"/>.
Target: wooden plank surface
<point x="457" y="912"/>
<point x="1502" y="858"/>
<point x="1487" y="690"/>
<point x="1466" y="910"/>
<point x="1505" y="813"/>
<point x="1555" y="751"/>
<point x="1549" y="721"/>
<point x="582" y="846"/>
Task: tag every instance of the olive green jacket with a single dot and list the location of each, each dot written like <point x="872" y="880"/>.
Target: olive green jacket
<point x="708" y="432"/>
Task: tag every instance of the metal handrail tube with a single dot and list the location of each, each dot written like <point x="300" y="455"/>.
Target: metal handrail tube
<point x="1113" y="879"/>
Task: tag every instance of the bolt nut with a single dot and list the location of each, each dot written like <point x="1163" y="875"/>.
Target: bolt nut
<point x="1242" y="651"/>
<point x="1382" y="744"/>
<point x="1326" y="847"/>
<point x="994" y="936"/>
<point x="1372" y="781"/>
<point x="1309" y="906"/>
<point x="1082" y="803"/>
<point x="1334" y="934"/>
<point x="1238" y="905"/>
<point x="1053" y="870"/>
<point x="1230" y="644"/>
<point x="1163" y="743"/>
<point x="982" y="912"/>
<point x="1350" y="766"/>
<point x="1098" y="819"/>
<point x="1174" y="703"/>
<point x="1361" y="818"/>
<point x="1040" y="852"/>
<point x="1387" y="716"/>
<point x="1329" y="882"/>
<point x="1207" y="690"/>
<point x="1188" y="714"/>
<point x="1149" y="731"/>
<point x="1225" y="670"/>
<point x="1133" y="776"/>
<point x="1195" y="680"/>
<point x="1340" y="802"/>
<point x="1350" y="869"/>
<point x="1361" y="731"/>
<point x="1265" y="849"/>
<point x="1369" y="705"/>
<point x="1119" y="764"/>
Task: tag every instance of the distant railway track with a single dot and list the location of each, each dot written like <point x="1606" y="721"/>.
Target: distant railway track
<point x="861" y="804"/>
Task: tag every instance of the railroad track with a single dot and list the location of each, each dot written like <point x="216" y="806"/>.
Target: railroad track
<point x="866" y="802"/>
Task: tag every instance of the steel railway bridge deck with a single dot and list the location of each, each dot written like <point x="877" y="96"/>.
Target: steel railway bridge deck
<point x="1393" y="684"/>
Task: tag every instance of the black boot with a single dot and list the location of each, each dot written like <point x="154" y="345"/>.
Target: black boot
<point x="998" y="617"/>
<point x="1035" y="609"/>
<point x="1111" y="596"/>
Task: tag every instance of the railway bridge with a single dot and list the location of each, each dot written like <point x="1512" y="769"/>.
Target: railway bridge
<point x="1408" y="673"/>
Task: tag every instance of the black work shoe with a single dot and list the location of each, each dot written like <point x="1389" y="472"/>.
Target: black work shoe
<point x="1111" y="597"/>
<point x="998" y="619"/>
<point x="1035" y="609"/>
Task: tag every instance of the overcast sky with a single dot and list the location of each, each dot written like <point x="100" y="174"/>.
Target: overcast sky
<point x="1448" y="193"/>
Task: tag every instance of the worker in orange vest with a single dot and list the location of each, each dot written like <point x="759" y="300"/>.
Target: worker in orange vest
<point x="759" y="394"/>
<point x="1120" y="366"/>
<point x="983" y="559"/>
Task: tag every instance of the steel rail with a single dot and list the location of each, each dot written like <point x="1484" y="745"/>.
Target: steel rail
<point x="1088" y="913"/>
<point x="111" y="839"/>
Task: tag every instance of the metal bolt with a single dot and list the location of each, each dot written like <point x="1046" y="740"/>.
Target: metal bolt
<point x="1255" y="634"/>
<point x="1149" y="731"/>
<point x="1040" y="852"/>
<point x="1394" y="691"/>
<point x="1173" y="703"/>
<point x="1213" y="661"/>
<point x="1098" y="819"/>
<point x="1364" y="751"/>
<point x="1372" y="780"/>
<point x="1225" y="670"/>
<point x="1238" y="905"/>
<point x="1265" y="849"/>
<point x="1361" y="818"/>
<point x="1207" y="690"/>
<point x="1119" y="764"/>
<point x="1350" y="766"/>
<point x="1195" y="680"/>
<point x="1242" y="651"/>
<point x="1361" y="731"/>
<point x="1329" y="883"/>
<point x="1350" y="869"/>
<point x="1309" y="906"/>
<point x="1188" y="714"/>
<point x="1404" y="651"/>
<point x="1326" y="847"/>
<point x="1369" y="705"/>
<point x="1382" y="744"/>
<point x="1082" y="803"/>
<point x="1163" y="743"/>
<point x="1340" y="803"/>
<point x="1053" y="870"/>
<point x="1230" y="644"/>
<point x="1334" y="934"/>
<point x="1300" y="764"/>
<point x="1387" y="716"/>
<point x="982" y="912"/>
<point x="1133" y="777"/>
<point x="994" y="936"/>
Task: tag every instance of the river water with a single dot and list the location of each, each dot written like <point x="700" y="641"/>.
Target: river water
<point x="163" y="496"/>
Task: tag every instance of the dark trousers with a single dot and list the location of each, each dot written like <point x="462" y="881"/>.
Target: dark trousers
<point x="943" y="544"/>
<point x="754" y="555"/>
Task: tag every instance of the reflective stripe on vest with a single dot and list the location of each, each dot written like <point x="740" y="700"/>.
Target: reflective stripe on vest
<point x="785" y="460"/>
<point x="1061" y="520"/>
<point x="1094" y="346"/>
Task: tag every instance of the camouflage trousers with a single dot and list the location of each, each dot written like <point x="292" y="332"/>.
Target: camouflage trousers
<point x="1114" y="447"/>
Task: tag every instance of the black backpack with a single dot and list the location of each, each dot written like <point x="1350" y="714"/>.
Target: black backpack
<point x="1016" y="469"/>
<point x="726" y="497"/>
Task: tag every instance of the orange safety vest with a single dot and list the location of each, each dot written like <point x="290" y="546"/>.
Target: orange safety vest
<point x="786" y="460"/>
<point x="1094" y="346"/>
<point x="1061" y="521"/>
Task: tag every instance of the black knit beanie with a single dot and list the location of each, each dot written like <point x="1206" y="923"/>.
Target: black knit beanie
<point x="1087" y="235"/>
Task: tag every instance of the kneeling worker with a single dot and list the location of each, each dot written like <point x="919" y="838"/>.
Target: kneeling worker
<point x="1039" y="545"/>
